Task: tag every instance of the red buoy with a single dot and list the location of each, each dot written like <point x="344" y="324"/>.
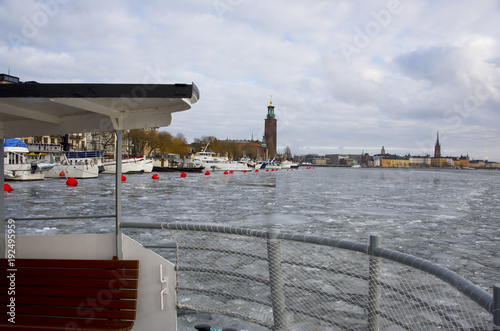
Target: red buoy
<point x="155" y="176"/>
<point x="124" y="178"/>
<point x="256" y="170"/>
<point x="231" y="172"/>
<point x="72" y="182"/>
<point x="183" y="175"/>
<point x="62" y="174"/>
<point x="267" y="170"/>
<point x="272" y="169"/>
<point x="7" y="188"/>
<point x="207" y="173"/>
<point x="225" y="172"/>
<point x="244" y="171"/>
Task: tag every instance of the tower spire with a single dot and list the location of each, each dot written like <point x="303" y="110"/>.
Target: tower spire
<point x="437" y="148"/>
<point x="270" y="109"/>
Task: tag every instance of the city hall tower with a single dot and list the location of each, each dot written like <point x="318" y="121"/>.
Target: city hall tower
<point x="271" y="131"/>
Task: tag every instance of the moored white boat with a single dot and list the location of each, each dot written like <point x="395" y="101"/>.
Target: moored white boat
<point x="133" y="165"/>
<point x="287" y="164"/>
<point x="214" y="163"/>
<point x="63" y="167"/>
<point x="271" y="165"/>
<point x="148" y="165"/>
<point x="17" y="165"/>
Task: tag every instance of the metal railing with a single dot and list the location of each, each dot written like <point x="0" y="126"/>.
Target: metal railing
<point x="286" y="281"/>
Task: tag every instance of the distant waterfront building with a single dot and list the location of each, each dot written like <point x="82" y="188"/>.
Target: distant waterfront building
<point x="420" y="161"/>
<point x="347" y="159"/>
<point x="271" y="131"/>
<point x="461" y="162"/>
<point x="394" y="161"/>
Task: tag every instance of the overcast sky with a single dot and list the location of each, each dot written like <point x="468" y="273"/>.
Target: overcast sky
<point x="345" y="76"/>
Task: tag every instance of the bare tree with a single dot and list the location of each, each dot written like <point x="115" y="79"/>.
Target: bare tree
<point x="287" y="154"/>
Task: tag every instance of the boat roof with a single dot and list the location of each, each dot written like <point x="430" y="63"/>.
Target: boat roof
<point x="35" y="109"/>
<point x="16" y="149"/>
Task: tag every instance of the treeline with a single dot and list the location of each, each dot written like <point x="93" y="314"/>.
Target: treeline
<point x="147" y="142"/>
<point x="232" y="149"/>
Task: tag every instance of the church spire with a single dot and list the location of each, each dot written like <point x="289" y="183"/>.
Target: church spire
<point x="437" y="148"/>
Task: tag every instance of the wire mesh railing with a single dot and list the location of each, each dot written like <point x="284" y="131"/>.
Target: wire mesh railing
<point x="295" y="282"/>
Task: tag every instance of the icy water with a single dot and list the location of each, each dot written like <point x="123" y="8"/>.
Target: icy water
<point x="450" y="217"/>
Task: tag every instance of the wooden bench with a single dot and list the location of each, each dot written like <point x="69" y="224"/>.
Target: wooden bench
<point x="68" y="294"/>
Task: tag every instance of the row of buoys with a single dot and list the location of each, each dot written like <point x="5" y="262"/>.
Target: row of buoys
<point x="73" y="182"/>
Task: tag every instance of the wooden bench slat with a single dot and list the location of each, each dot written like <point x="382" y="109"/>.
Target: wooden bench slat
<point x="94" y="313"/>
<point x="85" y="264"/>
<point x="74" y="273"/>
<point x="70" y="282"/>
<point x="73" y="292"/>
<point x="53" y="323"/>
<point x="67" y="302"/>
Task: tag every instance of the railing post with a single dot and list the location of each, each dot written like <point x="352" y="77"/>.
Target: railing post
<point x="374" y="285"/>
<point x="118" y="196"/>
<point x="276" y="280"/>
<point x="496" y="305"/>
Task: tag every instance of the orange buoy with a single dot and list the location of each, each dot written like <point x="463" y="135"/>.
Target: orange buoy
<point x="62" y="174"/>
<point x="207" y="173"/>
<point x="183" y="175"/>
<point x="72" y="182"/>
<point x="7" y="188"/>
<point x="155" y="176"/>
<point x="124" y="178"/>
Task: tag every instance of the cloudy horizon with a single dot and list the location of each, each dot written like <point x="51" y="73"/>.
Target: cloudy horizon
<point x="344" y="76"/>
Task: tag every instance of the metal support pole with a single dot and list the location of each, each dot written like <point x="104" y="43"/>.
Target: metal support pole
<point x="118" y="159"/>
<point x="496" y="305"/>
<point x="3" y="251"/>
<point x="374" y="285"/>
<point x="276" y="280"/>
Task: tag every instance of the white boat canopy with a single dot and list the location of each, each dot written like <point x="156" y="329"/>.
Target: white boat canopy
<point x="33" y="109"/>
